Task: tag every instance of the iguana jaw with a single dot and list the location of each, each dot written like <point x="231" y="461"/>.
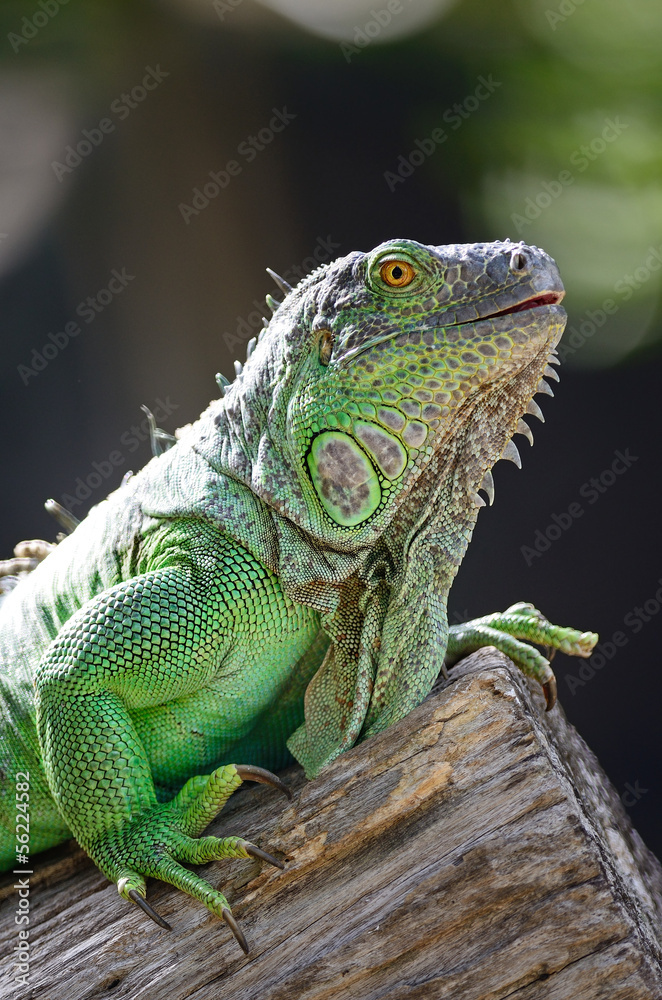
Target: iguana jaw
<point x="550" y="301"/>
<point x="481" y="431"/>
<point x="496" y="412"/>
<point x="487" y="440"/>
<point x="534" y="302"/>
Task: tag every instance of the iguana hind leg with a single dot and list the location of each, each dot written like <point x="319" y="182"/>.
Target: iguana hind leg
<point x="506" y="630"/>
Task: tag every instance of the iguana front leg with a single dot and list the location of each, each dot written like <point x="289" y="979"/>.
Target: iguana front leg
<point x="154" y="638"/>
<point x="505" y="630"/>
<point x="156" y="843"/>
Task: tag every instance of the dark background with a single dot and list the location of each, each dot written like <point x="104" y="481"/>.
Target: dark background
<point x="560" y="74"/>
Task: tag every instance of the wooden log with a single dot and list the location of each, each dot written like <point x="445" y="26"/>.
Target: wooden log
<point x="474" y="851"/>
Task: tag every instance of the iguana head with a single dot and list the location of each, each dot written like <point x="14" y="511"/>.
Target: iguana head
<point x="383" y="365"/>
<point x="369" y="415"/>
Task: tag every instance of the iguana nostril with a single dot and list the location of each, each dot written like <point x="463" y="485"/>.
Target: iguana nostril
<point x="519" y="261"/>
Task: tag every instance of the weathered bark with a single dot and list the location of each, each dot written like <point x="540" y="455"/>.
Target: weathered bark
<point x="475" y="851"/>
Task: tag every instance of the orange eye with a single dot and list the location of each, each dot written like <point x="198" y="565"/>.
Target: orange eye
<point x="397" y="273"/>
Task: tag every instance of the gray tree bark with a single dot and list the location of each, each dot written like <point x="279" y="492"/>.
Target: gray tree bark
<point x="474" y="851"/>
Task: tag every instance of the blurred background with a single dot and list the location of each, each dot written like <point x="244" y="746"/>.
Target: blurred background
<point x="157" y="156"/>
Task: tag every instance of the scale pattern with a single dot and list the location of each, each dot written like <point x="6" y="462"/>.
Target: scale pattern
<point x="275" y="584"/>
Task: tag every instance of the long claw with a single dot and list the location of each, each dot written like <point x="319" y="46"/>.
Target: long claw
<point x="234" y="927"/>
<point x="257" y="852"/>
<point x="550" y="693"/>
<point x="144" y="905"/>
<point x="248" y="772"/>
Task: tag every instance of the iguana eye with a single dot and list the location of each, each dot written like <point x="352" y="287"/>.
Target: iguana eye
<point x="397" y="273"/>
<point x="326" y="347"/>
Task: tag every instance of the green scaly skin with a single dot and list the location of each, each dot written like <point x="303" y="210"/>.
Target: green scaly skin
<point x="275" y="584"/>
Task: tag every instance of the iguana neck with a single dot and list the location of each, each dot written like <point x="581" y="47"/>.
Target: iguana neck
<point x="226" y="443"/>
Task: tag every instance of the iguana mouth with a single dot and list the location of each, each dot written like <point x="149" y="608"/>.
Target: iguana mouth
<point x="534" y="302"/>
<point x="547" y="299"/>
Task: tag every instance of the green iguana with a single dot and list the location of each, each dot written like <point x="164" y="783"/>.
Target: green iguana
<point x="276" y="582"/>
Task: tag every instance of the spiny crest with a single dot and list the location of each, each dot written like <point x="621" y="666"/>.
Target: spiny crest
<point x="309" y="279"/>
<point x="223" y="383"/>
<point x="510" y="452"/>
<point x="284" y="286"/>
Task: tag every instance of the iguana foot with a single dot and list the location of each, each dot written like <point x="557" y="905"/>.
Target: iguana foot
<point x="165" y="838"/>
<point x="505" y="630"/>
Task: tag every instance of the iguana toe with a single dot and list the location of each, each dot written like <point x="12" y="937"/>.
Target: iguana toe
<point x="507" y="630"/>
